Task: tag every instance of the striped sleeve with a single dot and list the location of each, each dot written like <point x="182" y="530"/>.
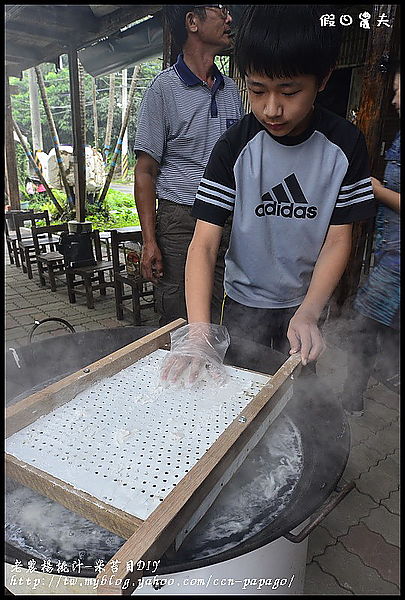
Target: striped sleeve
<point x="355" y="201"/>
<point x="151" y="129"/>
<point x="215" y="197"/>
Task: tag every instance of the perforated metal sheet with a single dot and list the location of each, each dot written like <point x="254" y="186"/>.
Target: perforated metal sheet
<point x="128" y="441"/>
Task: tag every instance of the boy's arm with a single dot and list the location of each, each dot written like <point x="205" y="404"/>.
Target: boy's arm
<point x="385" y="195"/>
<point x="199" y="272"/>
<point x="303" y="332"/>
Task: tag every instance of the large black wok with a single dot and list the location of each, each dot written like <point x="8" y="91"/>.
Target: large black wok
<point x="314" y="409"/>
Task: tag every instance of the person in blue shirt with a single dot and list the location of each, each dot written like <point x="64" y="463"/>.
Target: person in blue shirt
<point x="184" y="111"/>
<point x="375" y="339"/>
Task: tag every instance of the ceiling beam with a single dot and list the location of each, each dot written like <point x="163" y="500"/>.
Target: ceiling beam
<point x="67" y="27"/>
<point x="29" y="32"/>
<point x="67" y="17"/>
<point x="25" y="52"/>
<point x="12" y="71"/>
<point x="112" y="22"/>
<point x="99" y="10"/>
<point x="12" y="11"/>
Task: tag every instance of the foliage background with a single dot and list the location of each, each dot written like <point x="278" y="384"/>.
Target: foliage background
<point x="118" y="209"/>
<point x="58" y="92"/>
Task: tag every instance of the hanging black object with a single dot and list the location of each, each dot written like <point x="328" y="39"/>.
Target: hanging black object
<point x="77" y="249"/>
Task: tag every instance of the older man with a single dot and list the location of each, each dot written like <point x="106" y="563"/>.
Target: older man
<point x="183" y="113"/>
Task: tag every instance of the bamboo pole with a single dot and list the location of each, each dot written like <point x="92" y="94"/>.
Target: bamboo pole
<point x="37" y="170"/>
<point x="11" y="161"/>
<point x="124" y="103"/>
<point x="80" y="72"/>
<point x="55" y="138"/>
<point x="94" y="93"/>
<point x="121" y="134"/>
<point x="110" y="114"/>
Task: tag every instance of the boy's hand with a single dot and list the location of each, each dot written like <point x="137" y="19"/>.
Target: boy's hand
<point x="304" y="336"/>
<point x="186" y="370"/>
<point x="197" y="352"/>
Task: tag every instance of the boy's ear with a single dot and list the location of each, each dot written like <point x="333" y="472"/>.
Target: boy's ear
<point x="325" y="81"/>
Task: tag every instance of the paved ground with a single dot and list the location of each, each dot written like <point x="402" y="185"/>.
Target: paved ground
<point x="355" y="550"/>
<point x="128" y="188"/>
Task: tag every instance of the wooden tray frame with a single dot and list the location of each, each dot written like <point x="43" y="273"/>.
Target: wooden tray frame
<point x="188" y="501"/>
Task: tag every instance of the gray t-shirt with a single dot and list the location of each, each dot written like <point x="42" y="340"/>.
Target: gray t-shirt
<point x="284" y="194"/>
<point x="180" y="120"/>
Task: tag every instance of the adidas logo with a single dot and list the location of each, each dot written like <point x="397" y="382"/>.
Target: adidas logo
<point x="282" y="205"/>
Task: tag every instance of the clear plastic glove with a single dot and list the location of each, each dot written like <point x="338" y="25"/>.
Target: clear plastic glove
<point x="197" y="353"/>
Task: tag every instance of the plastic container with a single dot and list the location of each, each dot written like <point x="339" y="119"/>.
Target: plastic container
<point x="133" y="252"/>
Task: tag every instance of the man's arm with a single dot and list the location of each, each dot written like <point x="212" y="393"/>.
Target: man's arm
<point x="385" y="195"/>
<point x="303" y="332"/>
<point x="199" y="273"/>
<point x="146" y="172"/>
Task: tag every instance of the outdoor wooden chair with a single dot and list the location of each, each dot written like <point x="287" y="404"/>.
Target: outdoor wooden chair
<point x="51" y="264"/>
<point x="139" y="287"/>
<point x="92" y="277"/>
<point x="26" y="245"/>
<point x="105" y="239"/>
<point x="11" y="234"/>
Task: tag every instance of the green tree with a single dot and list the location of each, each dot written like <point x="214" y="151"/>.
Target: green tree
<point x="58" y="92"/>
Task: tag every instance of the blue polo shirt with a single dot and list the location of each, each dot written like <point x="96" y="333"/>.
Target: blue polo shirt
<point x="180" y="120"/>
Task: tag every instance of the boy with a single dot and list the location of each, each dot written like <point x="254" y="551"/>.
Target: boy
<point x="295" y="178"/>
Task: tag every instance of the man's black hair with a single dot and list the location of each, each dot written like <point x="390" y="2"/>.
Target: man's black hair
<point x="394" y="65"/>
<point x="286" y="40"/>
<point x="175" y="15"/>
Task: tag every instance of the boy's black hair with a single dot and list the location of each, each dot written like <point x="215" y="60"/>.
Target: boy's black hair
<point x="175" y="15"/>
<point x="286" y="40"/>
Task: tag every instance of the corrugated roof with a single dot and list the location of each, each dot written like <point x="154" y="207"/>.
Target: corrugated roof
<point x="38" y="33"/>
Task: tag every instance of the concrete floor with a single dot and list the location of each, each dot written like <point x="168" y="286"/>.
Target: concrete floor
<point x="355" y="550"/>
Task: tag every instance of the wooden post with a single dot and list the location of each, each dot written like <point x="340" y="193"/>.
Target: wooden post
<point x="79" y="157"/>
<point x="37" y="143"/>
<point x="375" y="94"/>
<point x="6" y="193"/>
<point x="375" y="89"/>
<point x="11" y="161"/>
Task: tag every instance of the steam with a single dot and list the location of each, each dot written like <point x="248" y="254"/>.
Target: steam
<point x="258" y="492"/>
<point x="48" y="531"/>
